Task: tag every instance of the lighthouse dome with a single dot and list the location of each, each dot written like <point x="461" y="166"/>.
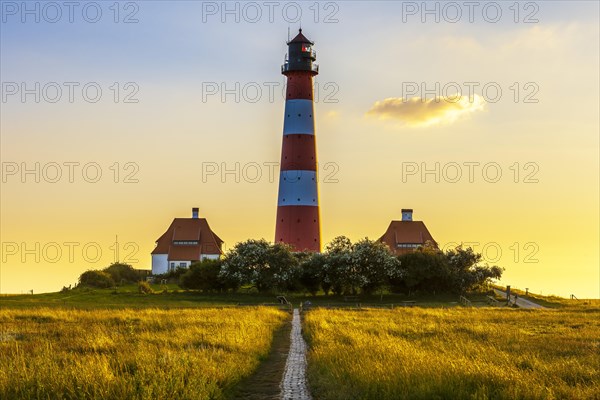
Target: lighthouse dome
<point x="300" y="56"/>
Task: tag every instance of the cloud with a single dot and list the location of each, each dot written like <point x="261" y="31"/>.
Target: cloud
<point x="416" y="111"/>
<point x="333" y="114"/>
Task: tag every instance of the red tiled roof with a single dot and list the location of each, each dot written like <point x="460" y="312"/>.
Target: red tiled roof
<point x="406" y="232"/>
<point x="189" y="230"/>
<point x="186" y="231"/>
<point x="185" y="253"/>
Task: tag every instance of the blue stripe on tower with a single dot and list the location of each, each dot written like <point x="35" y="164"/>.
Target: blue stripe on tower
<point x="298" y="188"/>
<point x="299" y="117"/>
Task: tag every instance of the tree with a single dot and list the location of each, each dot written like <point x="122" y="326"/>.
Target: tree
<point x="458" y="270"/>
<point x="466" y="272"/>
<point x="204" y="275"/>
<point x="339" y="244"/>
<point x="283" y="273"/>
<point x="97" y="279"/>
<point x="245" y="262"/>
<point x="260" y="264"/>
<point x="311" y="271"/>
<point x="366" y="266"/>
<point x="425" y="269"/>
<point x="372" y="265"/>
<point x="338" y="258"/>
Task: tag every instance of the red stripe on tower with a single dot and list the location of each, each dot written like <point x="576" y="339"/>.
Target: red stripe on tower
<point x="298" y="222"/>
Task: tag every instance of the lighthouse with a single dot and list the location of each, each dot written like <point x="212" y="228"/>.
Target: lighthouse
<point x="298" y="223"/>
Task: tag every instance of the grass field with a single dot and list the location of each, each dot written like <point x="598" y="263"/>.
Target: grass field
<point x="454" y="353"/>
<point x="121" y="344"/>
<point x="54" y="353"/>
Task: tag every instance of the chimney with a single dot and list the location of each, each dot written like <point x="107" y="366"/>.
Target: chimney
<point x="195" y="212"/>
<point x="407" y="214"/>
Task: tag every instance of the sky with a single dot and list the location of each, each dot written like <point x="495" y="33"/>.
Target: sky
<point x="117" y="117"/>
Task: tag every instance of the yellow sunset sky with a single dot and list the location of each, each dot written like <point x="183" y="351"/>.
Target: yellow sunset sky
<point x="378" y="130"/>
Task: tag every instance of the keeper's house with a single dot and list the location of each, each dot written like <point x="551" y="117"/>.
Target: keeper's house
<point x="186" y="241"/>
<point x="405" y="236"/>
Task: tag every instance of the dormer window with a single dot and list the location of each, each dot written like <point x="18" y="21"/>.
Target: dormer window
<point x="185" y="242"/>
<point x="407" y="245"/>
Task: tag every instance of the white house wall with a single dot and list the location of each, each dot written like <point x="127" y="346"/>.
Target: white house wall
<point x="160" y="264"/>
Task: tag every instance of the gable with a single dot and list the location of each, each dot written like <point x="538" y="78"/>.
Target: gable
<point x="188" y="237"/>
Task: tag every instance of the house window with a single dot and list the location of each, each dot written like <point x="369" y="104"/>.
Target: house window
<point x="185" y="242"/>
<point x="182" y="264"/>
<point x="172" y="265"/>
<point x="407" y="245"/>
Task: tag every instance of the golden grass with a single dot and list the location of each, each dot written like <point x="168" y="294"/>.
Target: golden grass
<point x="458" y="353"/>
<point x="131" y="354"/>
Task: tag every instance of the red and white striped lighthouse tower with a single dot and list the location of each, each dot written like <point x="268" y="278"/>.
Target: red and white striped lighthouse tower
<point x="298" y="222"/>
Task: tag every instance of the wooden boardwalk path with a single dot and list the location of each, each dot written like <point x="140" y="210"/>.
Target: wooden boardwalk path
<point x="293" y="385"/>
<point x="523" y="303"/>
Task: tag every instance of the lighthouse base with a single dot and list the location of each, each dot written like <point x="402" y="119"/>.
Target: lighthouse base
<point x="299" y="226"/>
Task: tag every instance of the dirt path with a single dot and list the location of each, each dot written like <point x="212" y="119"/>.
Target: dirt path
<point x="294" y="386"/>
<point x="523" y="303"/>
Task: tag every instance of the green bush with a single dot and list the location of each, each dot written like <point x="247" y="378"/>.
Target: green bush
<point x="172" y="275"/>
<point x="97" y="279"/>
<point x="203" y="275"/>
<point x="123" y="273"/>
